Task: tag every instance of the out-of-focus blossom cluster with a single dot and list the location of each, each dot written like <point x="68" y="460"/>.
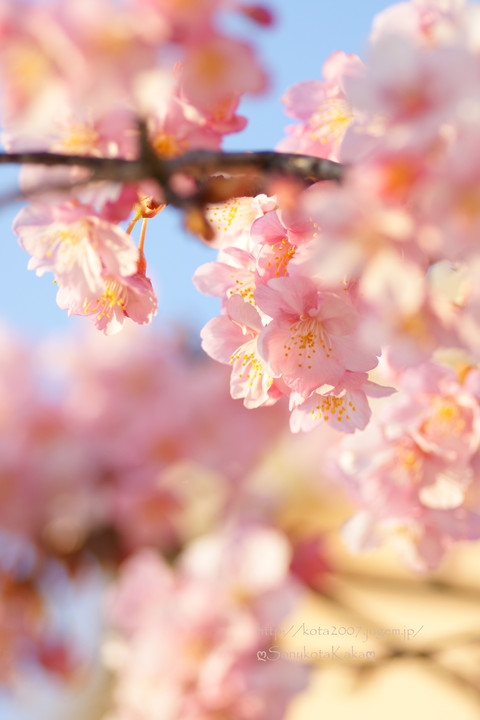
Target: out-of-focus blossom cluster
<point x="128" y="450"/>
<point x="192" y="639"/>
<point x="414" y="472"/>
<point x="76" y="79"/>
<point x="137" y="439"/>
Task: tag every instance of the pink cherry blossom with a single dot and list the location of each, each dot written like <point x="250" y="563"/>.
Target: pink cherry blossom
<point x="235" y="275"/>
<point x="77" y="246"/>
<point x="345" y="405"/>
<point x="275" y="245"/>
<point x="351" y="226"/>
<point x="408" y="91"/>
<point x="216" y="70"/>
<point x="201" y="659"/>
<point x="422" y="542"/>
<point x="252" y="561"/>
<point x="323" y="107"/>
<point x="122" y="297"/>
<point x="114" y="40"/>
<point x="412" y="470"/>
<point x="183" y="19"/>
<point x="34" y="47"/>
<point x="311" y="338"/>
<point x="403" y="316"/>
<point x="426" y="21"/>
<point x="176" y="126"/>
<point x="232" y="221"/>
<point x="232" y="338"/>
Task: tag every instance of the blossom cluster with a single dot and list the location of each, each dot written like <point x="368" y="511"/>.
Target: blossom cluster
<point x="112" y="460"/>
<point x="331" y="297"/>
<point x="414" y="471"/>
<point x="139" y="469"/>
<point x="76" y="79"/>
<point x="315" y="285"/>
<point x="383" y="264"/>
<point x="128" y="441"/>
<point x="192" y="635"/>
<point x="285" y="333"/>
<point x="140" y="472"/>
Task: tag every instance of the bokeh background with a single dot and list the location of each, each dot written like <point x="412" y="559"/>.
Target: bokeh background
<point x="375" y="590"/>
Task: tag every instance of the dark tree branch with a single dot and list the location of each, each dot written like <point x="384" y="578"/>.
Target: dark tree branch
<point x="412" y="585"/>
<point x="219" y="175"/>
<point x="206" y="162"/>
<point x="303" y="167"/>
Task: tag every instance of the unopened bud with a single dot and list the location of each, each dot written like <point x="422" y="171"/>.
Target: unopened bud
<point x="258" y="13"/>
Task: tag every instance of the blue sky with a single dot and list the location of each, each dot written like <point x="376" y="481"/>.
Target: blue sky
<point x="305" y="34"/>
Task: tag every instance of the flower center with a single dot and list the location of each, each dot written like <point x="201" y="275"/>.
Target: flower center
<point x="114" y="294"/>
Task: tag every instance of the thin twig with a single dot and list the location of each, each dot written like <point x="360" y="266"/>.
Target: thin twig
<point x="409" y="585"/>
